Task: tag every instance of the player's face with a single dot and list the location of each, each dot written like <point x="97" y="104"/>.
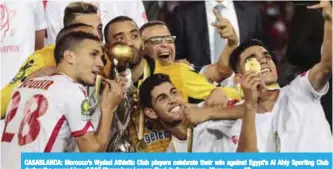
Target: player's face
<point x="268" y="68"/>
<point x="127" y="32"/>
<point x="168" y="104"/>
<point x="159" y="44"/>
<point x="93" y="20"/>
<point x="88" y="61"/>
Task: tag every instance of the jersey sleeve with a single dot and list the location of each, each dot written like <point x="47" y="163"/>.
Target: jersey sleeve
<point x="39" y="16"/>
<point x="302" y="86"/>
<point x="77" y="113"/>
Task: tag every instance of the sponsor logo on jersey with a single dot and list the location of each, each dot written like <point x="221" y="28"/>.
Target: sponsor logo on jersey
<point x="155" y="136"/>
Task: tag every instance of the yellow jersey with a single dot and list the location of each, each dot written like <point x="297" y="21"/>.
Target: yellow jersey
<point x="39" y="59"/>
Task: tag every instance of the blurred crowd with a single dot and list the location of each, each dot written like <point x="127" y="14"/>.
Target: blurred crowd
<point x="195" y="48"/>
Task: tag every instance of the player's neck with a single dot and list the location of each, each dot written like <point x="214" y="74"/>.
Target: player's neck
<point x="267" y="100"/>
<point x="137" y="70"/>
<point x="178" y="131"/>
<point x="66" y="71"/>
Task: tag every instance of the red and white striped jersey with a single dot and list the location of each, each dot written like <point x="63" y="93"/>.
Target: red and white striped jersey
<point x="44" y="115"/>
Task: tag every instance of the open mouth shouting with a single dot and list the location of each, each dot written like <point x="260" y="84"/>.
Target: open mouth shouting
<point x="164" y="55"/>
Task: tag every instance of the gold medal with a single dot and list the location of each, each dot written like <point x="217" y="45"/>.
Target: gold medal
<point x="252" y="64"/>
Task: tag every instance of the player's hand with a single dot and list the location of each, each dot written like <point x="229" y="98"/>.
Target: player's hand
<point x="250" y="82"/>
<point x="195" y="115"/>
<point x="122" y="79"/>
<point x="112" y="95"/>
<point x="225" y="29"/>
<point x="216" y="98"/>
<point x="326" y="6"/>
<point x="45" y="71"/>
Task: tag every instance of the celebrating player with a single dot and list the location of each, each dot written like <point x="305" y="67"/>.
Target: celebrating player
<point x="290" y="119"/>
<point x="46" y="112"/>
<point x="42" y="62"/>
<point x="163" y="105"/>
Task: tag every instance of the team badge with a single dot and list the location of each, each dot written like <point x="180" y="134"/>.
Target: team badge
<point x="86" y="112"/>
<point x="88" y="106"/>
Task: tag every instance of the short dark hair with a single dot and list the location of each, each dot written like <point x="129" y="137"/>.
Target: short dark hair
<point x="115" y="20"/>
<point x="148" y="85"/>
<point x="76" y="8"/>
<point x="69" y="28"/>
<point x="150" y="24"/>
<point x="235" y="55"/>
<point x="70" y="41"/>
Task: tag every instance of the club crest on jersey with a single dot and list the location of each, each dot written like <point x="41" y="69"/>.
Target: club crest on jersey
<point x="85" y="110"/>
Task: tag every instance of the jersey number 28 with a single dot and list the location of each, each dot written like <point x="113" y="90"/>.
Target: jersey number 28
<point x="35" y="107"/>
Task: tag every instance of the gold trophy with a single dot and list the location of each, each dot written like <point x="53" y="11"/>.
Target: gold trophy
<point x="120" y="142"/>
<point x="122" y="52"/>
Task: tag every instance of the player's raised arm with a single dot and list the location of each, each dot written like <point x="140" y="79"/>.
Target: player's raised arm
<point x="221" y="70"/>
<point x="248" y="137"/>
<point x="113" y="94"/>
<point x="321" y="72"/>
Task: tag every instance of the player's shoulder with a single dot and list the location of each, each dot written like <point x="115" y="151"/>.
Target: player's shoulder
<point x="297" y="83"/>
<point x="67" y="84"/>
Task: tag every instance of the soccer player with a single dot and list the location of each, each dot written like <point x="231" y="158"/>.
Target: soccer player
<point x="290" y="119"/>
<point x="43" y="61"/>
<point x="46" y="112"/>
<point x="163" y="105"/>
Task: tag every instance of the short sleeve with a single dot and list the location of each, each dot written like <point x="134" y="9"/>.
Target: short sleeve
<point x="77" y="114"/>
<point x="39" y="16"/>
<point x="203" y="70"/>
<point x="302" y="86"/>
